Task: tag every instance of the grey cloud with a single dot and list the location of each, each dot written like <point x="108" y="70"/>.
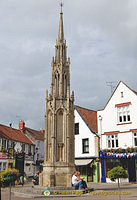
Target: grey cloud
<point x="101" y="40"/>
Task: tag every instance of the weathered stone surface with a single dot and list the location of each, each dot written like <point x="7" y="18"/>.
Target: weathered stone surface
<point x="59" y="121"/>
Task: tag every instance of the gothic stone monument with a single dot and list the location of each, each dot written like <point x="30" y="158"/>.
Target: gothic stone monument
<point x="59" y="121"/>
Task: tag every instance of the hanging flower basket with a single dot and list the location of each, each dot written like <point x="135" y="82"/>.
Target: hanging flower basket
<point x="30" y="154"/>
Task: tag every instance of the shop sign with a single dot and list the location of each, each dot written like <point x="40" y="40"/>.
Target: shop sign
<point x="10" y="152"/>
<point x="18" y="147"/>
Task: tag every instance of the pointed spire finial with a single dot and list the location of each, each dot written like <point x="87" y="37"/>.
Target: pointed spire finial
<point x="61" y="34"/>
<point x="61" y="5"/>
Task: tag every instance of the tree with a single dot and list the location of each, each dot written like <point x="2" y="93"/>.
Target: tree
<point x="117" y="173"/>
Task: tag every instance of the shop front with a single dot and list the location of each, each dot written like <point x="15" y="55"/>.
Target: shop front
<point x="88" y="168"/>
<point x="126" y="160"/>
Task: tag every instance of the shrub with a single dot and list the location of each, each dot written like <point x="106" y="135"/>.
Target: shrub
<point x="116" y="173"/>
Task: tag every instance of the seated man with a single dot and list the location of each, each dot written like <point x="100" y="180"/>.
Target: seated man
<point x="84" y="184"/>
<point x="76" y="181"/>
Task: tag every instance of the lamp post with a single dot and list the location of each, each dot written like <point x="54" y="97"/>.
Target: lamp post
<point x="100" y="132"/>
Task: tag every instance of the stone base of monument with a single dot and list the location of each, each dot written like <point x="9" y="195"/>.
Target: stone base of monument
<point x="40" y="192"/>
<point x="56" y="176"/>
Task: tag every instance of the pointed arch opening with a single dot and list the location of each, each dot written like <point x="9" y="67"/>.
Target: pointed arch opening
<point x="60" y="135"/>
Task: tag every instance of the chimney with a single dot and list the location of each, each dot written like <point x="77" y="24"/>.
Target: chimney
<point x="41" y="130"/>
<point x="22" y="126"/>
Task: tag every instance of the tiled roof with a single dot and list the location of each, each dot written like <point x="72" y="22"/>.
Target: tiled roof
<point x="89" y="116"/>
<point x="2" y="135"/>
<point x="39" y="135"/>
<point x="13" y="134"/>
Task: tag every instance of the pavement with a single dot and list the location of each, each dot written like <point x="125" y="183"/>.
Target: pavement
<point x="102" y="191"/>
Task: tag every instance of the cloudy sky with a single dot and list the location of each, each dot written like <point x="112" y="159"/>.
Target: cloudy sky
<point x="101" y="37"/>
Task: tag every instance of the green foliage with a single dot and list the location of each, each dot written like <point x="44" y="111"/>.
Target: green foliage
<point x="8" y="176"/>
<point x="117" y="172"/>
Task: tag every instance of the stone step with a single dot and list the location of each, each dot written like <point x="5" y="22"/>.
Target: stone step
<point x="37" y="191"/>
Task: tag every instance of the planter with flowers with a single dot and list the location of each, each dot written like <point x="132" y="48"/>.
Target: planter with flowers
<point x="8" y="176"/>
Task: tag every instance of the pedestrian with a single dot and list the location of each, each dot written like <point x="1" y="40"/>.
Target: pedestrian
<point x="21" y="180"/>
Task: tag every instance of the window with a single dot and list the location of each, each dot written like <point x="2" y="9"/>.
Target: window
<point x="26" y="148"/>
<point x="9" y="143"/>
<point x="112" y="141"/>
<point x="85" y="145"/>
<point x="122" y="95"/>
<point x="29" y="148"/>
<point x="12" y="144"/>
<point x="23" y="147"/>
<point x="4" y="143"/>
<point x="135" y="139"/>
<point x="123" y="114"/>
<point x="4" y="165"/>
<point x="76" y="128"/>
<point x="32" y="149"/>
<point x="38" y="144"/>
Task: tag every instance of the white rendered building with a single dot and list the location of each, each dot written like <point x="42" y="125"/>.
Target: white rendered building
<point x="86" y="143"/>
<point x="117" y="127"/>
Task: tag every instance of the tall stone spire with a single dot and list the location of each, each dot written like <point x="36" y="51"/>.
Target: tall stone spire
<point x="61" y="32"/>
<point x="59" y="120"/>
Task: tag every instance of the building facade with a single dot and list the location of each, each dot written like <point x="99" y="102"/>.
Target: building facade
<point x="37" y="137"/>
<point x="86" y="143"/>
<point x="12" y="142"/>
<point x="59" y="120"/>
<point x="117" y="127"/>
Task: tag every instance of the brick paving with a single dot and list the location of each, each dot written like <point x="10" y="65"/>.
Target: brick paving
<point x="102" y="191"/>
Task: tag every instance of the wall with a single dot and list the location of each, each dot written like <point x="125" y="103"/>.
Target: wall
<point x="109" y="117"/>
<point x="84" y="132"/>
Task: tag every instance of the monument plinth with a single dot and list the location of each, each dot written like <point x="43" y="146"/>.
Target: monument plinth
<point x="59" y="121"/>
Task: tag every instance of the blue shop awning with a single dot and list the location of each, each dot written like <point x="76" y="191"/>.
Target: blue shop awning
<point x="81" y="162"/>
